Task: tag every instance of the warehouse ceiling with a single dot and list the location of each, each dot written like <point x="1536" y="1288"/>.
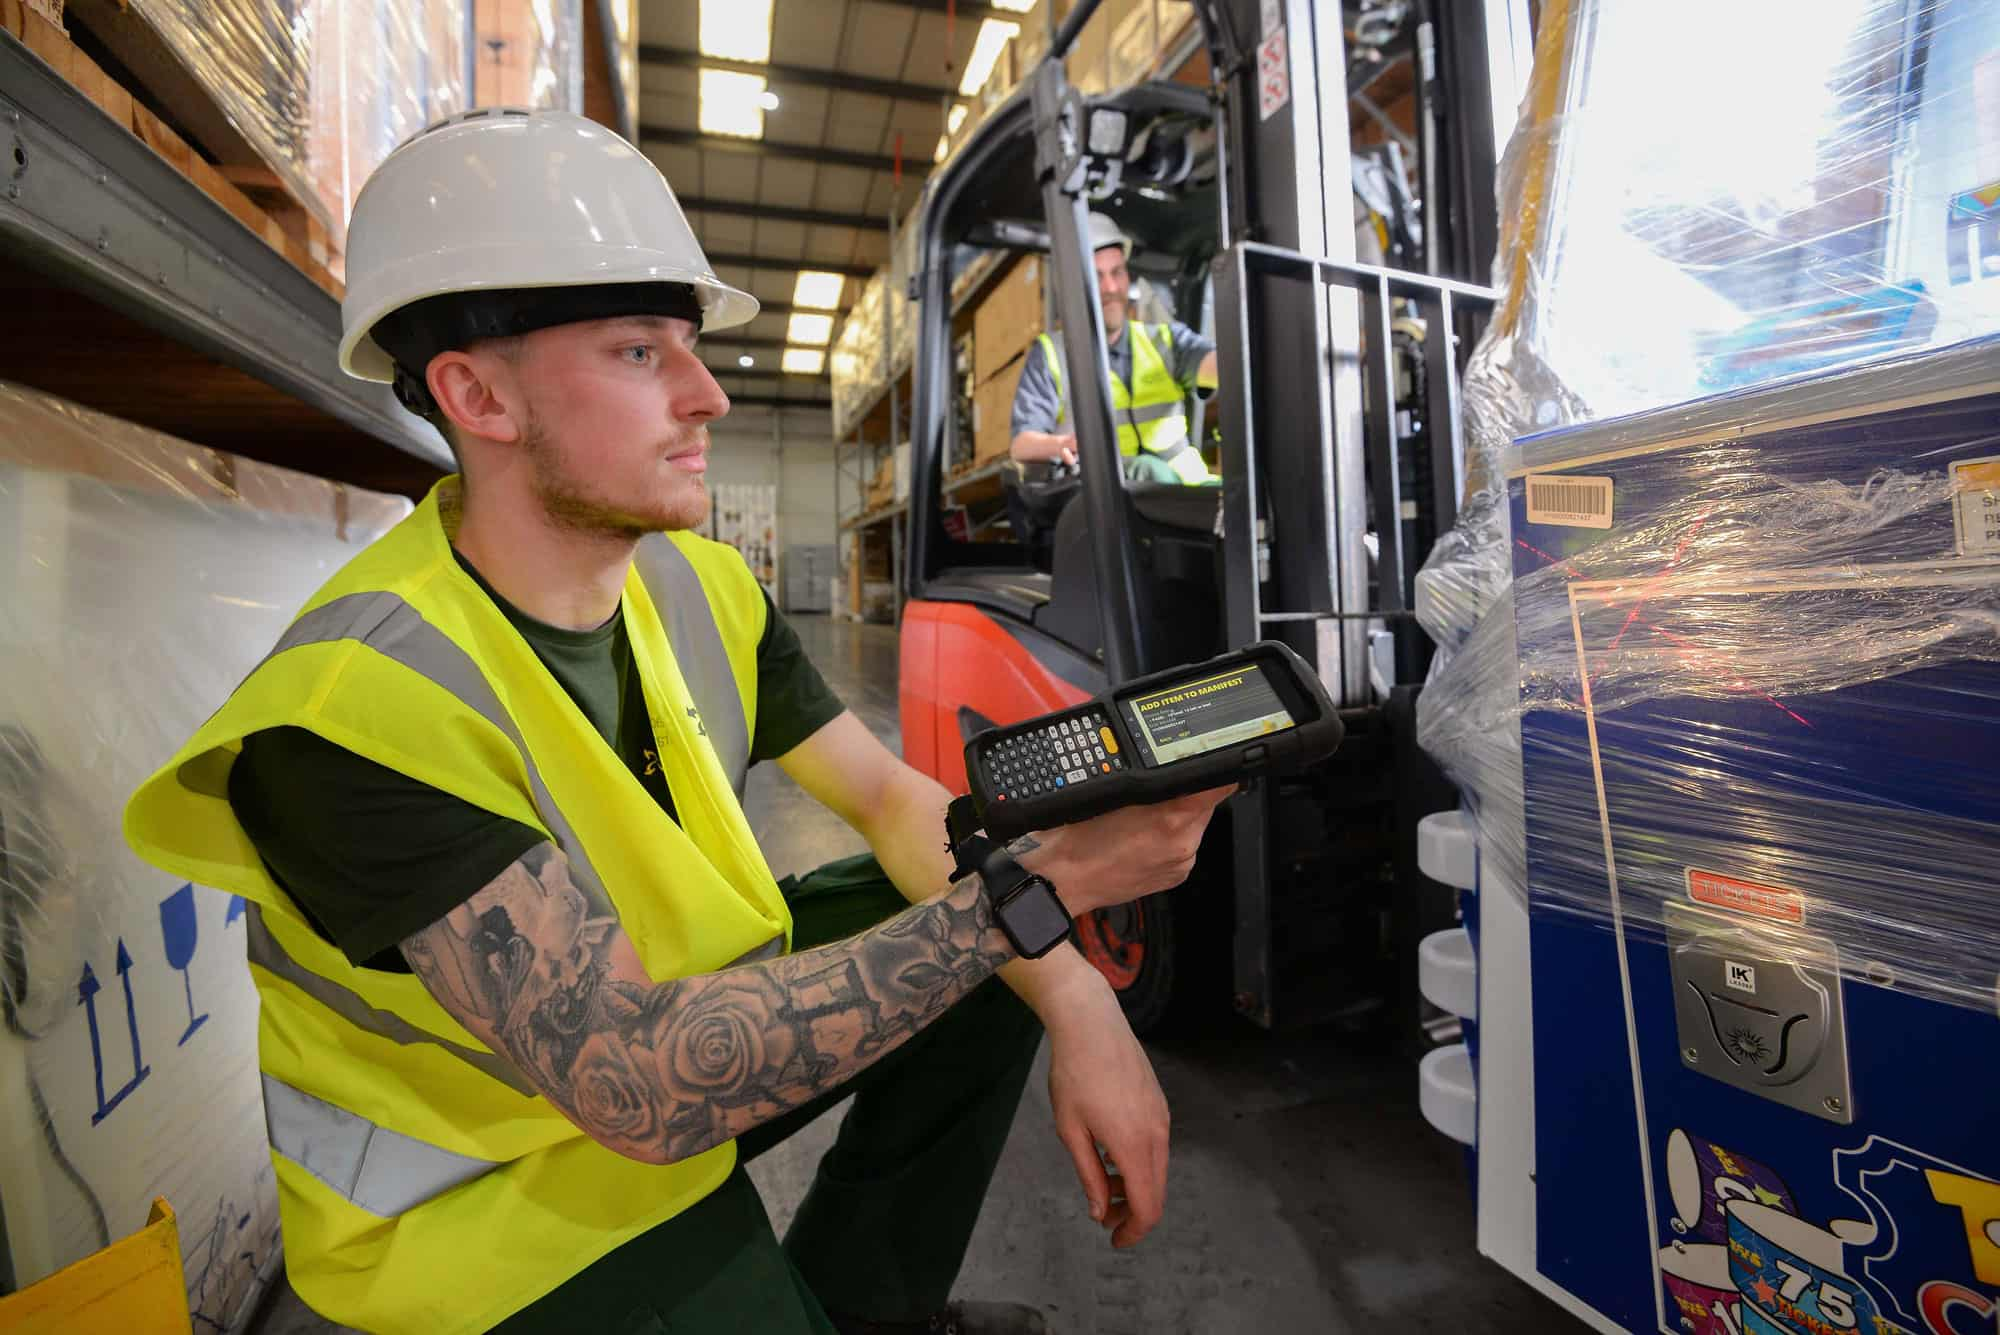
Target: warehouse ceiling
<point x="808" y="105"/>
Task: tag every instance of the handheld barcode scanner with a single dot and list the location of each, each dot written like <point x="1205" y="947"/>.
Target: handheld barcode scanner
<point x="1259" y="710"/>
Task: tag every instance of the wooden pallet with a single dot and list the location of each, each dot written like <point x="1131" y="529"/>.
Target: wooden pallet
<point x="293" y="232"/>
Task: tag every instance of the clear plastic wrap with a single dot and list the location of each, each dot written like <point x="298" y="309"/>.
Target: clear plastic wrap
<point x="857" y="363"/>
<point x="324" y="90"/>
<point x="321" y="89"/>
<point x="1664" y="245"/>
<point x="1772" y="683"/>
<point x="144" y="577"/>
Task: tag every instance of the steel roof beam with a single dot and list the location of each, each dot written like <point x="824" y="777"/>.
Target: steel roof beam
<point x="719" y="258"/>
<point x="838" y="80"/>
<point x="747" y="208"/>
<point x="913" y="165"/>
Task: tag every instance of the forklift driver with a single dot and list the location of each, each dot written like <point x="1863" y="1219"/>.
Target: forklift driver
<point x="1152" y="372"/>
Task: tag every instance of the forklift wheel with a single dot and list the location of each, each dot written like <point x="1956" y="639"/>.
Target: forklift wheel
<point x="1132" y="945"/>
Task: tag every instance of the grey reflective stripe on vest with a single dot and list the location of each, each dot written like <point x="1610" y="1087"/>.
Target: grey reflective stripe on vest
<point x="396" y="630"/>
<point x="696" y="640"/>
<point x="1132" y="417"/>
<point x="383" y="1172"/>
<point x="267" y="953"/>
<point x="1152" y="412"/>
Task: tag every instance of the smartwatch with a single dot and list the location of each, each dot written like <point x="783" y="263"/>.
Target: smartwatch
<point x="1024" y="904"/>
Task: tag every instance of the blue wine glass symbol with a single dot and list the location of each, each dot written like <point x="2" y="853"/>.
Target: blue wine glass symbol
<point x="178" y="927"/>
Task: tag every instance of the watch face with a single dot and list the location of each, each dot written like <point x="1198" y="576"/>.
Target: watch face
<point x="1035" y="917"/>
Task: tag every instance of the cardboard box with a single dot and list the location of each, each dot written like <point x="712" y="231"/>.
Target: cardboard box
<point x="1008" y="320"/>
<point x="993" y="414"/>
<point x="882" y="486"/>
<point x="1089" y="61"/>
<point x="1135" y="45"/>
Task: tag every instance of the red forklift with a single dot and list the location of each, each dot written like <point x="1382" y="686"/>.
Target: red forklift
<point x="1336" y="435"/>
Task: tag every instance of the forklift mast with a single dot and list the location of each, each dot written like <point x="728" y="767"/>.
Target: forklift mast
<point x="1335" y="475"/>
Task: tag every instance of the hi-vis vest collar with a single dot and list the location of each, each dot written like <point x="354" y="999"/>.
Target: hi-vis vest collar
<point x="1150" y="413"/>
<point x="424" y="1186"/>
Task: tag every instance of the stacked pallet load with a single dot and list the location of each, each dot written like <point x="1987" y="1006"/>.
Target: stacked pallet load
<point x="279" y="111"/>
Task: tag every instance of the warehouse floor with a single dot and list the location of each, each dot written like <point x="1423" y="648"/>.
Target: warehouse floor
<point x="1307" y="1194"/>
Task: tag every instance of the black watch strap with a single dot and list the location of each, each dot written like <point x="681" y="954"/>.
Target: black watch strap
<point x="966" y="842"/>
<point x="1024" y="904"/>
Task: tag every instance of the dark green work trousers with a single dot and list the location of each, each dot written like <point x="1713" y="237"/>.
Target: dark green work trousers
<point x="884" y="1226"/>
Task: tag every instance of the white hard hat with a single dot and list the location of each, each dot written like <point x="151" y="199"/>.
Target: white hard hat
<point x="1104" y="232"/>
<point x="506" y="199"/>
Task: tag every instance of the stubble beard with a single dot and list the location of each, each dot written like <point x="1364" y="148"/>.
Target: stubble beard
<point x="572" y="504"/>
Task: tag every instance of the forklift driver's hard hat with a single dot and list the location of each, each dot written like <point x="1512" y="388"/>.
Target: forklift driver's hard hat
<point x="1104" y="232"/>
<point x="501" y="201"/>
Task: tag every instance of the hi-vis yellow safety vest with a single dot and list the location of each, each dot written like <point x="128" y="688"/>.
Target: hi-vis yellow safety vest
<point x="1151" y="412"/>
<point x="423" y="1185"/>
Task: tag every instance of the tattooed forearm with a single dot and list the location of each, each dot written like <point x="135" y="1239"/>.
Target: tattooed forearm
<point x="663" y="1071"/>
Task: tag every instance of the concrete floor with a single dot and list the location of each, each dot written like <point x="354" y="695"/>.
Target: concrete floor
<point x="1307" y="1194"/>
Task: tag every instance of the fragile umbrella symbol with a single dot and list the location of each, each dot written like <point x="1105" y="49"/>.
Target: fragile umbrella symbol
<point x="178" y="928"/>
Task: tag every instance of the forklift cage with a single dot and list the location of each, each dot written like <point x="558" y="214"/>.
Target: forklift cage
<point x="1454" y="312"/>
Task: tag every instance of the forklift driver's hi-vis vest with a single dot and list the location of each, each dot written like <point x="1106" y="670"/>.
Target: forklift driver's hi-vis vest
<point x="1151" y="413"/>
<point x="424" y="1186"/>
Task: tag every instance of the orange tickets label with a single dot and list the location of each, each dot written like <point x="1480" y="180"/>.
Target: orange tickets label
<point x="1759" y="901"/>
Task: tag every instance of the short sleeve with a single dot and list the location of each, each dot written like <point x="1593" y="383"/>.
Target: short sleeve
<point x="793" y="700"/>
<point x="371" y="855"/>
<point x="1188" y="350"/>
<point x="1037" y="406"/>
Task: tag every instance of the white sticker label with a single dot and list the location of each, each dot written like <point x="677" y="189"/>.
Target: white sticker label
<point x="1976" y="487"/>
<point x="1571" y="502"/>
<point x="1742" y="977"/>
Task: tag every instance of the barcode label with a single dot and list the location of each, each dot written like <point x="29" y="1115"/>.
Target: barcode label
<point x="1572" y="502"/>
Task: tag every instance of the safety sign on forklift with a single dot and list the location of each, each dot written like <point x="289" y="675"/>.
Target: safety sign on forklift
<point x="1274" y="79"/>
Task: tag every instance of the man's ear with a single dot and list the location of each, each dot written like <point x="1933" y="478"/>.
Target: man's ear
<point x="473" y="389"/>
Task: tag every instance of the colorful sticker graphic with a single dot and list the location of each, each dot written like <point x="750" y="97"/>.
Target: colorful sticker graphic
<point x="1701" y="1296"/>
<point x="1922" y="1258"/>
<point x="1789" y="1277"/>
<point x="1932" y="1254"/>
<point x="1703" y="1178"/>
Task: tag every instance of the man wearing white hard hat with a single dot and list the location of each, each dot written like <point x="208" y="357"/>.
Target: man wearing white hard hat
<point x="1153" y="370"/>
<point x="530" y="996"/>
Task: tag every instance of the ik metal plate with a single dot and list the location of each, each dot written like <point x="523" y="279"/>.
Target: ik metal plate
<point x="1761" y="1010"/>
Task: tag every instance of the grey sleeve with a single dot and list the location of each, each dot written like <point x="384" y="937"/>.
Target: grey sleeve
<point x="1189" y="349"/>
<point x="1036" y="405"/>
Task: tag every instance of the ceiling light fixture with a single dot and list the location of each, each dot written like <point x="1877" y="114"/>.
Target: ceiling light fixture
<point x="805" y="328"/>
<point x="803" y="361"/>
<point x="953" y="119"/>
<point x="818" y="289"/>
<point x="731" y="104"/>
<point x="994" y="34"/>
<point x="768" y="100"/>
<point x="746" y="361"/>
<point x="736" y="30"/>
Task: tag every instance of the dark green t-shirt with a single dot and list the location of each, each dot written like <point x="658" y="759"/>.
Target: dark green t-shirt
<point x="373" y="855"/>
